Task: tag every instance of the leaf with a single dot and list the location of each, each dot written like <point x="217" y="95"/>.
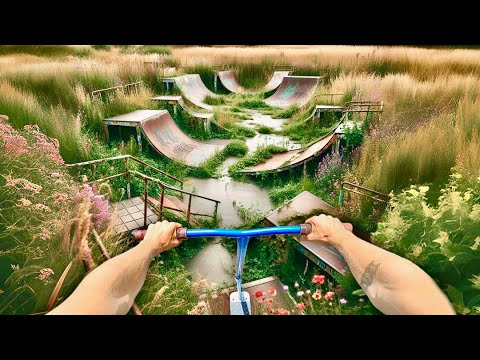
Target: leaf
<point x="55" y="291"/>
<point x="456" y="297"/>
<point x="359" y="292"/>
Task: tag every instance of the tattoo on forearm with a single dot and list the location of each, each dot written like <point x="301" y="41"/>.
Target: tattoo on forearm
<point x="368" y="275"/>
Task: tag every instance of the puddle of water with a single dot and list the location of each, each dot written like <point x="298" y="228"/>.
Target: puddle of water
<point x="266" y="120"/>
<point x="227" y="190"/>
<point x="214" y="264"/>
<point x="262" y="140"/>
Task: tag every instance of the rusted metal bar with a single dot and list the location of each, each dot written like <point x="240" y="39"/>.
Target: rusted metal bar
<point x="91" y="162"/>
<point x="127" y="178"/>
<point x="369" y="196"/>
<point x="108" y="178"/>
<point x="162" y="199"/>
<point x="215" y="212"/>
<point x="365" y="188"/>
<point x="189" y="207"/>
<point x="145" y="208"/>
<point x="155" y="169"/>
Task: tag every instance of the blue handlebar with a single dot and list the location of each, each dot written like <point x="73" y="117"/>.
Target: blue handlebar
<point x="278" y="230"/>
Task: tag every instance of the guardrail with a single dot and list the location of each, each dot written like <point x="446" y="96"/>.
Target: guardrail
<point x="126" y="89"/>
<point x="163" y="186"/>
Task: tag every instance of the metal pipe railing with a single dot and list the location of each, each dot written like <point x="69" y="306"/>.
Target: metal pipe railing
<point x="343" y="188"/>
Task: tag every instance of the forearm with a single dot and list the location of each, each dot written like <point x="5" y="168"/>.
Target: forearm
<point x="112" y="287"/>
<point x="393" y="284"/>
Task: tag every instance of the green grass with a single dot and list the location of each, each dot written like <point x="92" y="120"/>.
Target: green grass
<point x="38" y="50"/>
<point x="257" y="157"/>
<point x="214" y="100"/>
<point x="102" y="47"/>
<point x="286" y="113"/>
<point x="263" y="129"/>
<point x="156" y="49"/>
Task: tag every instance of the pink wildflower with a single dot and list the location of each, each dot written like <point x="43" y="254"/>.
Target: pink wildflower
<point x="300" y="293"/>
<point x="300" y="306"/>
<point x="45" y="272"/>
<point x="272" y="291"/>
<point x="42" y="207"/>
<point x="25" y="202"/>
<point x="23" y="184"/>
<point x="56" y="174"/>
<point x="329" y="295"/>
<point x="343" y="301"/>
<point x="318" y="279"/>
<point x="285" y="287"/>
<point x="316" y="295"/>
<point x="59" y="197"/>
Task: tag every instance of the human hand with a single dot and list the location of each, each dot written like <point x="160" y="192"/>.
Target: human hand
<point x="161" y="236"/>
<point x="328" y="229"/>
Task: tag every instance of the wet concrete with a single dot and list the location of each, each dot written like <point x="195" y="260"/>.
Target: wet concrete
<point x="227" y="191"/>
<point x="265" y="120"/>
<point x="262" y="140"/>
<point x="214" y="264"/>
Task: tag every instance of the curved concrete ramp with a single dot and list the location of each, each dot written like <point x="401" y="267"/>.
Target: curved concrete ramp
<point x="294" y="90"/>
<point x="194" y="90"/>
<point x="275" y="81"/>
<point x="293" y="158"/>
<point x="228" y="80"/>
<point x="167" y="138"/>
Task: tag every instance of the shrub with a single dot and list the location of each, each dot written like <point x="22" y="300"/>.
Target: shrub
<point x="156" y="49"/>
<point x="353" y="136"/>
<point x="102" y="47"/>
<point x="444" y="239"/>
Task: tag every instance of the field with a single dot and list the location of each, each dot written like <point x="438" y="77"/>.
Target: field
<point x="424" y="150"/>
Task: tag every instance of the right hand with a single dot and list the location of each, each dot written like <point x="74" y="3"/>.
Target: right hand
<point x="162" y="236"/>
<point x="327" y="229"/>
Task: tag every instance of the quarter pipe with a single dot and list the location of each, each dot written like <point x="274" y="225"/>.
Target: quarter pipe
<point x="296" y="90"/>
<point x="194" y="90"/>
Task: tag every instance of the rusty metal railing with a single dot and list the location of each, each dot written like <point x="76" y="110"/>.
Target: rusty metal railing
<point x="163" y="186"/>
<point x="350" y="187"/>
<point x="125" y="89"/>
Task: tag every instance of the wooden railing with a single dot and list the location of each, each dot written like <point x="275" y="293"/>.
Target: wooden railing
<point x="163" y="186"/>
<point x="364" y="191"/>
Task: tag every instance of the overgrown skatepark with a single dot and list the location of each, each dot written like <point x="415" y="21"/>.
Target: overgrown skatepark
<point x="234" y="157"/>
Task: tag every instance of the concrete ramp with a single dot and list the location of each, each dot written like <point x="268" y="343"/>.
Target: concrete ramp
<point x="228" y="80"/>
<point x="194" y="90"/>
<point x="293" y="158"/>
<point x="294" y="90"/>
<point x="275" y="81"/>
<point x="165" y="136"/>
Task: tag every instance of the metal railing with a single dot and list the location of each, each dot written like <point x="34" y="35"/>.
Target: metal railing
<point x="162" y="185"/>
<point x="126" y="89"/>
<point x="350" y="187"/>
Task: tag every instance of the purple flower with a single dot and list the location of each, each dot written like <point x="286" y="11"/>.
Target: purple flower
<point x="343" y="301"/>
<point x="300" y="293"/>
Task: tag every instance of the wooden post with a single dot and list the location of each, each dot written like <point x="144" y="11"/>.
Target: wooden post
<point x="145" y="194"/>
<point x="127" y="178"/>
<point x="189" y="207"/>
<point x="139" y="136"/>
<point x="105" y="127"/>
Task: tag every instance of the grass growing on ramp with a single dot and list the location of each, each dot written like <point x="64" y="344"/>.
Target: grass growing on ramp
<point x="257" y="157"/>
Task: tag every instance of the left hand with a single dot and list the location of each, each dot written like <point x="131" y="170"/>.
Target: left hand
<point x="162" y="236"/>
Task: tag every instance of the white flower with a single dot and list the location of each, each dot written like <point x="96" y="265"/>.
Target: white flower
<point x="343" y="301"/>
<point x="84" y="178"/>
<point x="214" y="296"/>
<point x="361" y="300"/>
<point x="330" y="303"/>
<point x="300" y="293"/>
<point x="308" y="292"/>
<point x="296" y="285"/>
<point x="285" y="287"/>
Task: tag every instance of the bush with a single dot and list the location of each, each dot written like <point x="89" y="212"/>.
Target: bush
<point x="156" y="49"/>
<point x="214" y="100"/>
<point x="102" y="47"/>
<point x="444" y="240"/>
<point x="353" y="136"/>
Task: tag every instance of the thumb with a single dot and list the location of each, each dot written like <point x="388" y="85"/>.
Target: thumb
<point x="348" y="226"/>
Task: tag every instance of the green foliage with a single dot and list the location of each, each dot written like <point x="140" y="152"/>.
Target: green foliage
<point x="254" y="104"/>
<point x="353" y="136"/>
<point x="82" y="51"/>
<point x="263" y="129"/>
<point x="38" y="50"/>
<point x="214" y="100"/>
<point x="156" y="49"/>
<point x="286" y="113"/>
<point x="239" y="131"/>
<point x="444" y="240"/>
<point x="102" y="47"/>
<point x="259" y="156"/>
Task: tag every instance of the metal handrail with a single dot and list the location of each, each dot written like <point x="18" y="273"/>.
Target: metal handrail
<point x="343" y="188"/>
<point x="120" y="157"/>
<point x="146" y="179"/>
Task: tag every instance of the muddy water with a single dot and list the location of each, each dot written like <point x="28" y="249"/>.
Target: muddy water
<point x="214" y="263"/>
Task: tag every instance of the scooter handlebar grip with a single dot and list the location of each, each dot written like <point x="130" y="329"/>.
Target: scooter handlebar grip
<point x="305" y="229"/>
<point x="182" y="233"/>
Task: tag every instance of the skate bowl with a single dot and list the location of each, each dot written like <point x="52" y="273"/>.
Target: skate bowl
<point x="293" y="158"/>
<point x="194" y="90"/>
<point x="166" y="137"/>
<point x="228" y="80"/>
<point x="294" y="90"/>
<point x="275" y="81"/>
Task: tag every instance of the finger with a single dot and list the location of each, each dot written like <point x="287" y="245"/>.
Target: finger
<point x="348" y="226"/>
